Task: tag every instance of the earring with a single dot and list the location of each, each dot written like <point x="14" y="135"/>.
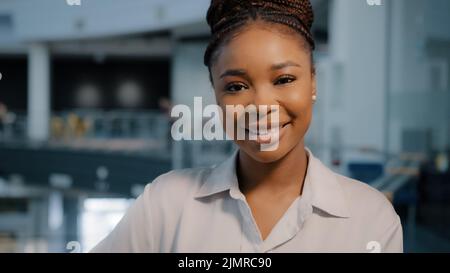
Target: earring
<point x="314" y="97"/>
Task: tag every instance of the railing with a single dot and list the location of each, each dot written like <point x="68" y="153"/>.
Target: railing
<point x="403" y="172"/>
<point x="140" y="132"/>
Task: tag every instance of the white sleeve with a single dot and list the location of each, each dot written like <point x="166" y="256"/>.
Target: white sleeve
<point x="392" y="239"/>
<point x="134" y="231"/>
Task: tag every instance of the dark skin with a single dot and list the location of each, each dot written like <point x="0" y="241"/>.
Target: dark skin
<point x="267" y="64"/>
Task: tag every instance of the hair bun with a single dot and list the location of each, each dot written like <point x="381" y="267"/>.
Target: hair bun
<point x="226" y="15"/>
<point x="223" y="10"/>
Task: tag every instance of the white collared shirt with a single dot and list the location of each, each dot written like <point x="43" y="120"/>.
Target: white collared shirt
<point x="203" y="210"/>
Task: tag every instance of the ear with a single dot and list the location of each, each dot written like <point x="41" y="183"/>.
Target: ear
<point x="314" y="84"/>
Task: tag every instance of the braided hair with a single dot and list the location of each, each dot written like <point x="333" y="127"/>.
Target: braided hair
<point x="225" y="17"/>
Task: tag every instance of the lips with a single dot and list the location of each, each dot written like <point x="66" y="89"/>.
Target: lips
<point x="273" y="132"/>
<point x="253" y="128"/>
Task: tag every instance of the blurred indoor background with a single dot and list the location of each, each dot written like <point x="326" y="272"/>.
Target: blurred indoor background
<point x="86" y="92"/>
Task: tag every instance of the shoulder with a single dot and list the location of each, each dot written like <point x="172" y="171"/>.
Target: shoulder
<point x="366" y="202"/>
<point x="181" y="178"/>
<point x="177" y="185"/>
<point x="372" y="210"/>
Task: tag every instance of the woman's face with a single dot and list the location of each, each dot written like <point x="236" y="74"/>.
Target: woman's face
<point x="264" y="65"/>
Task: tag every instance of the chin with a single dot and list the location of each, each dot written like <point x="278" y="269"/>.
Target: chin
<point x="255" y="152"/>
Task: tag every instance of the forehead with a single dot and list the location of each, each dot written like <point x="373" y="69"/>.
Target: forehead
<point x="261" y="44"/>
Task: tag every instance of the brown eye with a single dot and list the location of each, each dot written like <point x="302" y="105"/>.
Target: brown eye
<point x="284" y="80"/>
<point x="235" y="87"/>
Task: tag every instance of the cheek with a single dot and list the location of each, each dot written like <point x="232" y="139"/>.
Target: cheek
<point x="233" y="101"/>
<point x="229" y="120"/>
<point x="298" y="100"/>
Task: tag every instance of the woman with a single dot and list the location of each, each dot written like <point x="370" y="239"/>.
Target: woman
<point x="281" y="200"/>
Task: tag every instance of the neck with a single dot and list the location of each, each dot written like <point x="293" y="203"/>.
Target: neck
<point x="284" y="175"/>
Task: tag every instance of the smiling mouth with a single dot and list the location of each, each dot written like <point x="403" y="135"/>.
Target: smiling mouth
<point x="269" y="128"/>
<point x="266" y="136"/>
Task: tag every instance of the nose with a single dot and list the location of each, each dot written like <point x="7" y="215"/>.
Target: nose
<point x="264" y="99"/>
<point x="264" y="107"/>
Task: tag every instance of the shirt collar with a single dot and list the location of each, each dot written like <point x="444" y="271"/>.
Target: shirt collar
<point x="321" y="183"/>
<point x="221" y="178"/>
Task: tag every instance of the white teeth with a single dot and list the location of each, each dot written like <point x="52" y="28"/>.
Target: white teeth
<point x="253" y="127"/>
<point x="267" y="133"/>
<point x="261" y="132"/>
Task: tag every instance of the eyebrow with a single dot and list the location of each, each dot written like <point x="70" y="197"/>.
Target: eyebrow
<point x="283" y="65"/>
<point x="242" y="72"/>
<point x="234" y="72"/>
